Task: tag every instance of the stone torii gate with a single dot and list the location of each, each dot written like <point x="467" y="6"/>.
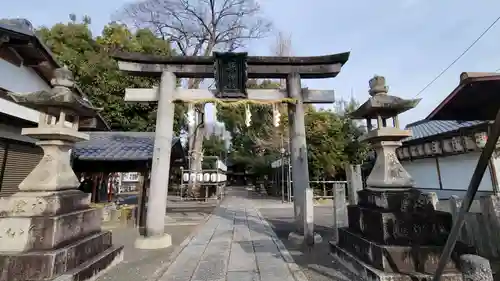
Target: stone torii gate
<point x="231" y="71"/>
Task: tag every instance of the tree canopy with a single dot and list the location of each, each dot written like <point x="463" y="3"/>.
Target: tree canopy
<point x="97" y="74"/>
<point x="331" y="136"/>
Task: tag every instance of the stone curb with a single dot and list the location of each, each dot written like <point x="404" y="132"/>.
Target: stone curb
<point x="294" y="268"/>
<point x="172" y="257"/>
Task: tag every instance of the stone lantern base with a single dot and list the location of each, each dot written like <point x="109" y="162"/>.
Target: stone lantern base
<point x="48" y="231"/>
<point x="396" y="236"/>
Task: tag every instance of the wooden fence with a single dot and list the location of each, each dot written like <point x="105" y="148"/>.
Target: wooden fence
<point x="482" y="224"/>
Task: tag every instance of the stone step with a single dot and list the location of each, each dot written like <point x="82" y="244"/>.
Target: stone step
<point x="400" y="228"/>
<point x="95" y="267"/>
<point x="47" y="232"/>
<point x="42" y="265"/>
<point x="399" y="259"/>
<point x="364" y="271"/>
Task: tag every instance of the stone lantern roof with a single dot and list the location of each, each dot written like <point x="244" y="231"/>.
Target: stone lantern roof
<point x="381" y="104"/>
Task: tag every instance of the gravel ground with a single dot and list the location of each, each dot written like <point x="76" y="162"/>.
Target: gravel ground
<point x="148" y="265"/>
<point x="316" y="263"/>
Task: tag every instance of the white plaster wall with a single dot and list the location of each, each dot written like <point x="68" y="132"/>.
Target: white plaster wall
<point x="424" y="172"/>
<point x="19" y="80"/>
<point x="456" y="172"/>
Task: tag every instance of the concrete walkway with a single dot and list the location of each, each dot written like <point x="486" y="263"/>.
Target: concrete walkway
<point x="235" y="244"/>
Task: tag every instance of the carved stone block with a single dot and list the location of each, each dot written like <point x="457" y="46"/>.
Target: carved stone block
<point x="19" y="234"/>
<point x="411" y="200"/>
<point x="45" y="265"/>
<point x="23" y="204"/>
<point x="400" y="228"/>
<point x="400" y="259"/>
<point x="387" y="171"/>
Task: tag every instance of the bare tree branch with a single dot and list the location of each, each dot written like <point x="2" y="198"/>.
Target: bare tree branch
<point x="199" y="27"/>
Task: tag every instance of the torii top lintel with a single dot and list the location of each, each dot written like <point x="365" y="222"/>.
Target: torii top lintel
<point x="258" y="66"/>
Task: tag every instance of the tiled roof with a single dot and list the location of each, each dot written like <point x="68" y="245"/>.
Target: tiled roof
<point x="427" y="128"/>
<point x="22" y="26"/>
<point x="117" y="146"/>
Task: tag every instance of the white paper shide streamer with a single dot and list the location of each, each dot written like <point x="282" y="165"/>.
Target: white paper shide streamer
<point x="248" y="116"/>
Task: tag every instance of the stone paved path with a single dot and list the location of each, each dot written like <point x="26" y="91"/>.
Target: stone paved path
<point x="235" y="244"/>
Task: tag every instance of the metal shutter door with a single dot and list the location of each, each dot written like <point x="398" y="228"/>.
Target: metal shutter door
<point x="21" y="159"/>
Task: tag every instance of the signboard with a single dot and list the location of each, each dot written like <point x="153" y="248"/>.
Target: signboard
<point x="230" y="75"/>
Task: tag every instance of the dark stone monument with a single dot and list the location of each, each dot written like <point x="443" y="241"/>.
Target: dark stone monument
<point x="394" y="232"/>
<point x="48" y="231"/>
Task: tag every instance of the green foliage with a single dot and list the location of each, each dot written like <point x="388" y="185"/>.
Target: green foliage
<point x="245" y="149"/>
<point x="97" y="74"/>
<point x="332" y="137"/>
<point x="214" y="146"/>
<point x="332" y="141"/>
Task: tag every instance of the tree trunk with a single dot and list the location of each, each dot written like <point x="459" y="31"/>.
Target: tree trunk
<point x="196" y="147"/>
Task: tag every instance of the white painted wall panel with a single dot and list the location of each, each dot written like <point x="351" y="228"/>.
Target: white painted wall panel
<point x="456" y="172"/>
<point x="424" y="172"/>
<point x="19" y="80"/>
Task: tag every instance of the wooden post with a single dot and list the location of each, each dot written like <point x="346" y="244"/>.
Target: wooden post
<point x="354" y="182"/>
<point x="303" y="194"/>
<point x="143" y="194"/>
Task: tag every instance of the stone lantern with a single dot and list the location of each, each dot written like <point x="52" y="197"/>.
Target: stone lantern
<point x="394" y="231"/>
<point x="48" y="229"/>
<point x="387" y="171"/>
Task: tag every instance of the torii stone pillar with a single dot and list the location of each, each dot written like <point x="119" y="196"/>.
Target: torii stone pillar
<point x="303" y="195"/>
<point x="154" y="235"/>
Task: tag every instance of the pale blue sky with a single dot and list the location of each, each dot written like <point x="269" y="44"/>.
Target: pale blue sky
<point x="408" y="41"/>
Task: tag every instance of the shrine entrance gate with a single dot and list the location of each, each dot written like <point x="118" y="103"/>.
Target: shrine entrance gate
<point x="231" y="71"/>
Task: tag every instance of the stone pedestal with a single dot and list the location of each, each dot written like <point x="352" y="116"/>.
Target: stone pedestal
<point x="396" y="235"/>
<point x="47" y="229"/>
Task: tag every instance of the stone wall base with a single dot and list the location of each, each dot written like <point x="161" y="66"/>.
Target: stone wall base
<point x="367" y="272"/>
<point x="81" y="259"/>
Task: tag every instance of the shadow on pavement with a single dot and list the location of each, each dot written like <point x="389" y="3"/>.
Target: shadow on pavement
<point x="316" y="262"/>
